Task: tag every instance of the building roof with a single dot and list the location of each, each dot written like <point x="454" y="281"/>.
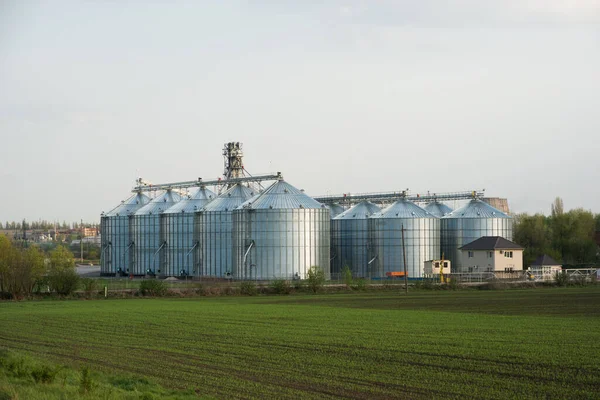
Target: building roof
<point x="545" y="260"/>
<point x="491" y="243"/>
<point x="476" y="209"/>
<point x="403" y="209"/>
<point x="438" y="209"/>
<point x="281" y="195"/>
<point x="198" y="200"/>
<point x="230" y="199"/>
<point x="360" y="211"/>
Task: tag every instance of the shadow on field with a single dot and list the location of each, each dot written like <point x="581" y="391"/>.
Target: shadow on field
<point x="547" y="301"/>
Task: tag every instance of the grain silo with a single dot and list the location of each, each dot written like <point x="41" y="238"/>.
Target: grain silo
<point x="421" y="239"/>
<point x="349" y="240"/>
<point x="280" y="234"/>
<point x="468" y="223"/>
<point x="438" y="209"/>
<point x="177" y="234"/>
<point x="145" y="234"/>
<point x="335" y="209"/>
<point x="213" y="232"/>
<point x="114" y="231"/>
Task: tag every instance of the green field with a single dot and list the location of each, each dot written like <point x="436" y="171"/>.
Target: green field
<point x="534" y="343"/>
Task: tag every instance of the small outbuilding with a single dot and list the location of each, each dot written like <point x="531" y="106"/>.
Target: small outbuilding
<point x="544" y="268"/>
<point x="491" y="254"/>
<point x="432" y="268"/>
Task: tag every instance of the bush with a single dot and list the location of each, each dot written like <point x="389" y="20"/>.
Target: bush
<point x="44" y="374"/>
<point x="153" y="287"/>
<point x="425" y="284"/>
<point x="298" y="285"/>
<point x="360" y="285"/>
<point x="89" y="285"/>
<point x="248" y="288"/>
<point x="280" y="286"/>
<point x="63" y="282"/>
<point x="347" y="276"/>
<point x="315" y="278"/>
<point x="561" y="278"/>
<point x="86" y="383"/>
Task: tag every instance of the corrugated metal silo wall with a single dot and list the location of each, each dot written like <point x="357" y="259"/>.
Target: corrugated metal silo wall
<point x="349" y="247"/>
<point x="456" y="232"/>
<point x="213" y="232"/>
<point x="117" y="252"/>
<point x="421" y="241"/>
<point x="287" y="242"/>
<point x="104" y="246"/>
<point x="177" y="230"/>
<point x="145" y="234"/>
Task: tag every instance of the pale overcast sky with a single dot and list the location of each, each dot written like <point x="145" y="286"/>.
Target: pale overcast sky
<point x="340" y="96"/>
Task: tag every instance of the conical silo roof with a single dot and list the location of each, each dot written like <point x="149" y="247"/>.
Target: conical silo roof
<point x="438" y="209"/>
<point x="160" y="203"/>
<point x="281" y="195"/>
<point x="198" y="200"/>
<point x="335" y="209"/>
<point x="361" y="210"/>
<point x="230" y="199"/>
<point x="403" y="209"/>
<point x="476" y="209"/>
<point x="129" y="206"/>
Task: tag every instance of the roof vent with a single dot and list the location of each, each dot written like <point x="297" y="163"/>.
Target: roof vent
<point x="228" y="194"/>
<point x="285" y="191"/>
<point x="271" y="207"/>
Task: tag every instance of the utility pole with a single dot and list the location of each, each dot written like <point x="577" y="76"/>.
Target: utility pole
<point x="404" y="256"/>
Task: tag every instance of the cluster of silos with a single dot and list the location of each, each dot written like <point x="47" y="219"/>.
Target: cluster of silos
<point x="177" y="234"/>
<point x="280" y="234"/>
<point x="388" y="250"/>
<point x="115" y="234"/>
<point x="468" y="223"/>
<point x="145" y="234"/>
<point x="213" y="230"/>
<point x="349" y="240"/>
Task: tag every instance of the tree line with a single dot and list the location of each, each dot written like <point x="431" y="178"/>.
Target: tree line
<point x="568" y="237"/>
<point x="44" y="225"/>
<point x="24" y="271"/>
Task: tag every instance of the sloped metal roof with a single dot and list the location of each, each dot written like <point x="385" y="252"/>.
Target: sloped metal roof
<point x="335" y="209"/>
<point x="230" y="199"/>
<point x="160" y="203"/>
<point x="282" y="195"/>
<point x="198" y="200"/>
<point x="438" y="209"/>
<point x="129" y="206"/>
<point x="491" y="243"/>
<point x="545" y="260"/>
<point x="361" y="210"/>
<point x="477" y="209"/>
<point x="403" y="209"/>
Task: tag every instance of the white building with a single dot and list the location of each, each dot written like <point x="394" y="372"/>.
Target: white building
<point x="491" y="254"/>
<point x="544" y="268"/>
<point x="432" y="268"/>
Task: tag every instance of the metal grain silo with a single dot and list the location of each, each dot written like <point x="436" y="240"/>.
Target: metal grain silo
<point x="114" y="231"/>
<point x="438" y="209"/>
<point x="421" y="239"/>
<point x="335" y="209"/>
<point x="145" y="234"/>
<point x="177" y="233"/>
<point x="349" y="240"/>
<point x="280" y="234"/>
<point x="472" y="221"/>
<point x="213" y="232"/>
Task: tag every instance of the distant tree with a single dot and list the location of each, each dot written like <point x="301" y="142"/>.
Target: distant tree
<point x="20" y="269"/>
<point x="597" y="218"/>
<point x="62" y="277"/>
<point x="557" y="207"/>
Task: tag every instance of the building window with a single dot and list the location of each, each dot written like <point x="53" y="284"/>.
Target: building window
<point x="490" y="254"/>
<point x="508" y="254"/>
<point x="471" y="254"/>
